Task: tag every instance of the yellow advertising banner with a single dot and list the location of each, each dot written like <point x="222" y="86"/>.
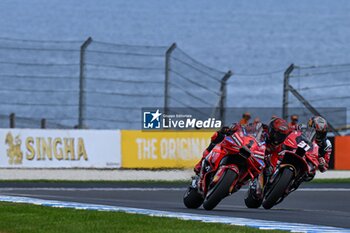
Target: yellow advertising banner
<point x="147" y="149"/>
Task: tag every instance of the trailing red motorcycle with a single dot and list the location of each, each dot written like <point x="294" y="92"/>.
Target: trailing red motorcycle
<point x="232" y="163"/>
<point x="297" y="164"/>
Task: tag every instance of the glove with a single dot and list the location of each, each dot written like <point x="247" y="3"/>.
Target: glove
<point x="230" y="130"/>
<point x="323" y="166"/>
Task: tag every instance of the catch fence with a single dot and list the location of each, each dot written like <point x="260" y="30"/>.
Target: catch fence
<point x="93" y="84"/>
<point x="318" y="90"/>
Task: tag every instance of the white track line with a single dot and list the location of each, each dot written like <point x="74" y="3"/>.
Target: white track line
<point x="153" y="189"/>
<point x="92" y="189"/>
<point x="259" y="224"/>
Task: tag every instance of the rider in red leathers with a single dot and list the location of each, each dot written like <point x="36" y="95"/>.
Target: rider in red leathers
<point x="277" y="132"/>
<point x="325" y="146"/>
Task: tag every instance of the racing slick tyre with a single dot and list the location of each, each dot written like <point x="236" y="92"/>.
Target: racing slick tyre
<point x="192" y="199"/>
<point x="278" y="188"/>
<point x="251" y="201"/>
<point x="220" y="190"/>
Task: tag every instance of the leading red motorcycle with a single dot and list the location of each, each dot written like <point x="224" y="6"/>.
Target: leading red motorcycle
<point x="231" y="164"/>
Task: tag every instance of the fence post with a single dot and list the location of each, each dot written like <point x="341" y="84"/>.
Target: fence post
<point x="285" y="91"/>
<point x="43" y="123"/>
<point x="311" y="108"/>
<point x="167" y="76"/>
<point x="12" y="120"/>
<point x="83" y="48"/>
<point x="223" y="91"/>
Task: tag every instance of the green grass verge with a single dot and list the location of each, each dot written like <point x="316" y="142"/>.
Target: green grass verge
<point x="331" y="181"/>
<point x="26" y="218"/>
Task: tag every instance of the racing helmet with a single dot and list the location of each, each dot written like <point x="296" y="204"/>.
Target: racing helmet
<point x="278" y="130"/>
<point x="321" y="127"/>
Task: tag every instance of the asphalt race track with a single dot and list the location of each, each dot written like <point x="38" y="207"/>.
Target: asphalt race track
<point x="319" y="204"/>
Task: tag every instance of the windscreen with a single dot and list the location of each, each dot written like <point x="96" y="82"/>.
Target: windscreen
<point x="308" y="134"/>
<point x="255" y="130"/>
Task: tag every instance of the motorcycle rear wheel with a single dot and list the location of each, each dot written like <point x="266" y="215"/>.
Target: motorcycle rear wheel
<point x="220" y="190"/>
<point x="278" y="189"/>
<point x="192" y="199"/>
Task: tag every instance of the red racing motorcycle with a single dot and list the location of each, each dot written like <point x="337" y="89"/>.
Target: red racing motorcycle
<point x="231" y="164"/>
<point x="298" y="163"/>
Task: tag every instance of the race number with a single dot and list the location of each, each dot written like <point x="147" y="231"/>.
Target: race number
<point x="304" y="145"/>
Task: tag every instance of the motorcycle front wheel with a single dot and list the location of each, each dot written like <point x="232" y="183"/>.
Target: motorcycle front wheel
<point x="251" y="201"/>
<point x="220" y="190"/>
<point x="278" y="189"/>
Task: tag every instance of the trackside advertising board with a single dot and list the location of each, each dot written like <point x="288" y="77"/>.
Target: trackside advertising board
<point x="30" y="148"/>
<point x="149" y="149"/>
